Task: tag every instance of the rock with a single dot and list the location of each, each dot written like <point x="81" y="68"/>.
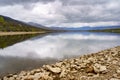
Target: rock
<point x="83" y="78"/>
<point x="54" y="70"/>
<point x="115" y="75"/>
<point x="5" y="78"/>
<point x="114" y="79"/>
<point x="98" y="68"/>
<point x="45" y="77"/>
<point x="59" y="64"/>
<point x="63" y="73"/>
<point x="114" y="62"/>
<point x="23" y="73"/>
<point x="11" y="78"/>
<point x="10" y="75"/>
<point x="118" y="71"/>
<point x="90" y="69"/>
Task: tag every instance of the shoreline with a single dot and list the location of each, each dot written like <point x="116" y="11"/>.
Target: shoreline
<point x="103" y="65"/>
<point x="19" y="33"/>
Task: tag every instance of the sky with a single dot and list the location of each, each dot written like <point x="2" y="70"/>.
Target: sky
<point x="63" y="13"/>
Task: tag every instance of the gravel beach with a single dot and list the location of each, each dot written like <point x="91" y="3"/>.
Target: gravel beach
<point x="103" y="65"/>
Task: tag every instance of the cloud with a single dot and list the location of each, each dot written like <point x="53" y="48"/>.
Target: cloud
<point x="13" y="2"/>
<point x="63" y="12"/>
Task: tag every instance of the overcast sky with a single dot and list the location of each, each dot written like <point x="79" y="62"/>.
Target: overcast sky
<point x="69" y="13"/>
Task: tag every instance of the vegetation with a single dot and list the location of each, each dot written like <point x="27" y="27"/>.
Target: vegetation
<point x="9" y="40"/>
<point x="1" y="19"/>
<point x="116" y="30"/>
<point x="10" y="25"/>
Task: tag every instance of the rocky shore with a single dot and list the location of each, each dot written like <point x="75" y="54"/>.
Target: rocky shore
<point x="104" y="65"/>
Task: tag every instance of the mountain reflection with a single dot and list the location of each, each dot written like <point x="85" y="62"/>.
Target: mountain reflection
<point x="9" y="40"/>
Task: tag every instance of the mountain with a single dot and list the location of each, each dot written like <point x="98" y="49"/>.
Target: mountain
<point x="85" y="28"/>
<point x="53" y="29"/>
<point x="38" y="25"/>
<point x="8" y="24"/>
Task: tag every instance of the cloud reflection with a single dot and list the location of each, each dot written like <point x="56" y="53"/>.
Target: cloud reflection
<point x="61" y="46"/>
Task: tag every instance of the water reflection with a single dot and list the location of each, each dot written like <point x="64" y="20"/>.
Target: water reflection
<point x="9" y="40"/>
<point x="38" y="51"/>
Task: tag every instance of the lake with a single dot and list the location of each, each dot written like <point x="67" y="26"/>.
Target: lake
<point x="26" y="52"/>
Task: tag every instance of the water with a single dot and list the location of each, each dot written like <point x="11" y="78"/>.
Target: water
<point x="49" y="48"/>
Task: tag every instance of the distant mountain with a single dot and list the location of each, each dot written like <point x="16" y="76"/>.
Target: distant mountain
<point x="104" y="27"/>
<point x="9" y="24"/>
<point x="38" y="25"/>
<point x="85" y="28"/>
<point x="44" y="27"/>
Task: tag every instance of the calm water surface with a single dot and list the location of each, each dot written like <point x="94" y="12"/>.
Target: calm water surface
<point x="37" y="51"/>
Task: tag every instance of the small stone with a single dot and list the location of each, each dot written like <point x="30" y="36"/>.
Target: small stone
<point x="23" y="73"/>
<point x="59" y="64"/>
<point x="45" y="77"/>
<point x="97" y="75"/>
<point x="83" y="78"/>
<point x="114" y="79"/>
<point x="11" y="78"/>
<point x="118" y="71"/>
<point x="90" y="74"/>
<point x="5" y="78"/>
<point x="10" y="75"/>
<point x="114" y="62"/>
<point x="98" y="68"/>
<point x="90" y="69"/>
<point x="115" y="75"/>
<point x="54" y="70"/>
<point x="62" y="73"/>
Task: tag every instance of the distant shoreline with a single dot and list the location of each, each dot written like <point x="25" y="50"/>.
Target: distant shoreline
<point x="19" y="33"/>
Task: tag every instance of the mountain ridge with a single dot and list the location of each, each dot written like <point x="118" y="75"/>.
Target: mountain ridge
<point x="8" y="24"/>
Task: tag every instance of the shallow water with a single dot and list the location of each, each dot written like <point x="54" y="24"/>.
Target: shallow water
<point x="46" y="49"/>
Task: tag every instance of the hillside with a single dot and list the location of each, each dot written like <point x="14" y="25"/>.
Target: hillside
<point x="10" y="25"/>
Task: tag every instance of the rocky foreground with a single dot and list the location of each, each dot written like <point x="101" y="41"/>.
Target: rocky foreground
<point x="104" y="65"/>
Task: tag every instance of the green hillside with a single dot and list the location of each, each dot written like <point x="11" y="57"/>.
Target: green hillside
<point x="10" y="25"/>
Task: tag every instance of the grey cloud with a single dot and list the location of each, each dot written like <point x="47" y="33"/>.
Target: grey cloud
<point x="12" y="2"/>
<point x="83" y="2"/>
<point x="64" y="11"/>
<point x="88" y="11"/>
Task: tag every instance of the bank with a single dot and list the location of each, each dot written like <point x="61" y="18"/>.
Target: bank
<point x="103" y="65"/>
